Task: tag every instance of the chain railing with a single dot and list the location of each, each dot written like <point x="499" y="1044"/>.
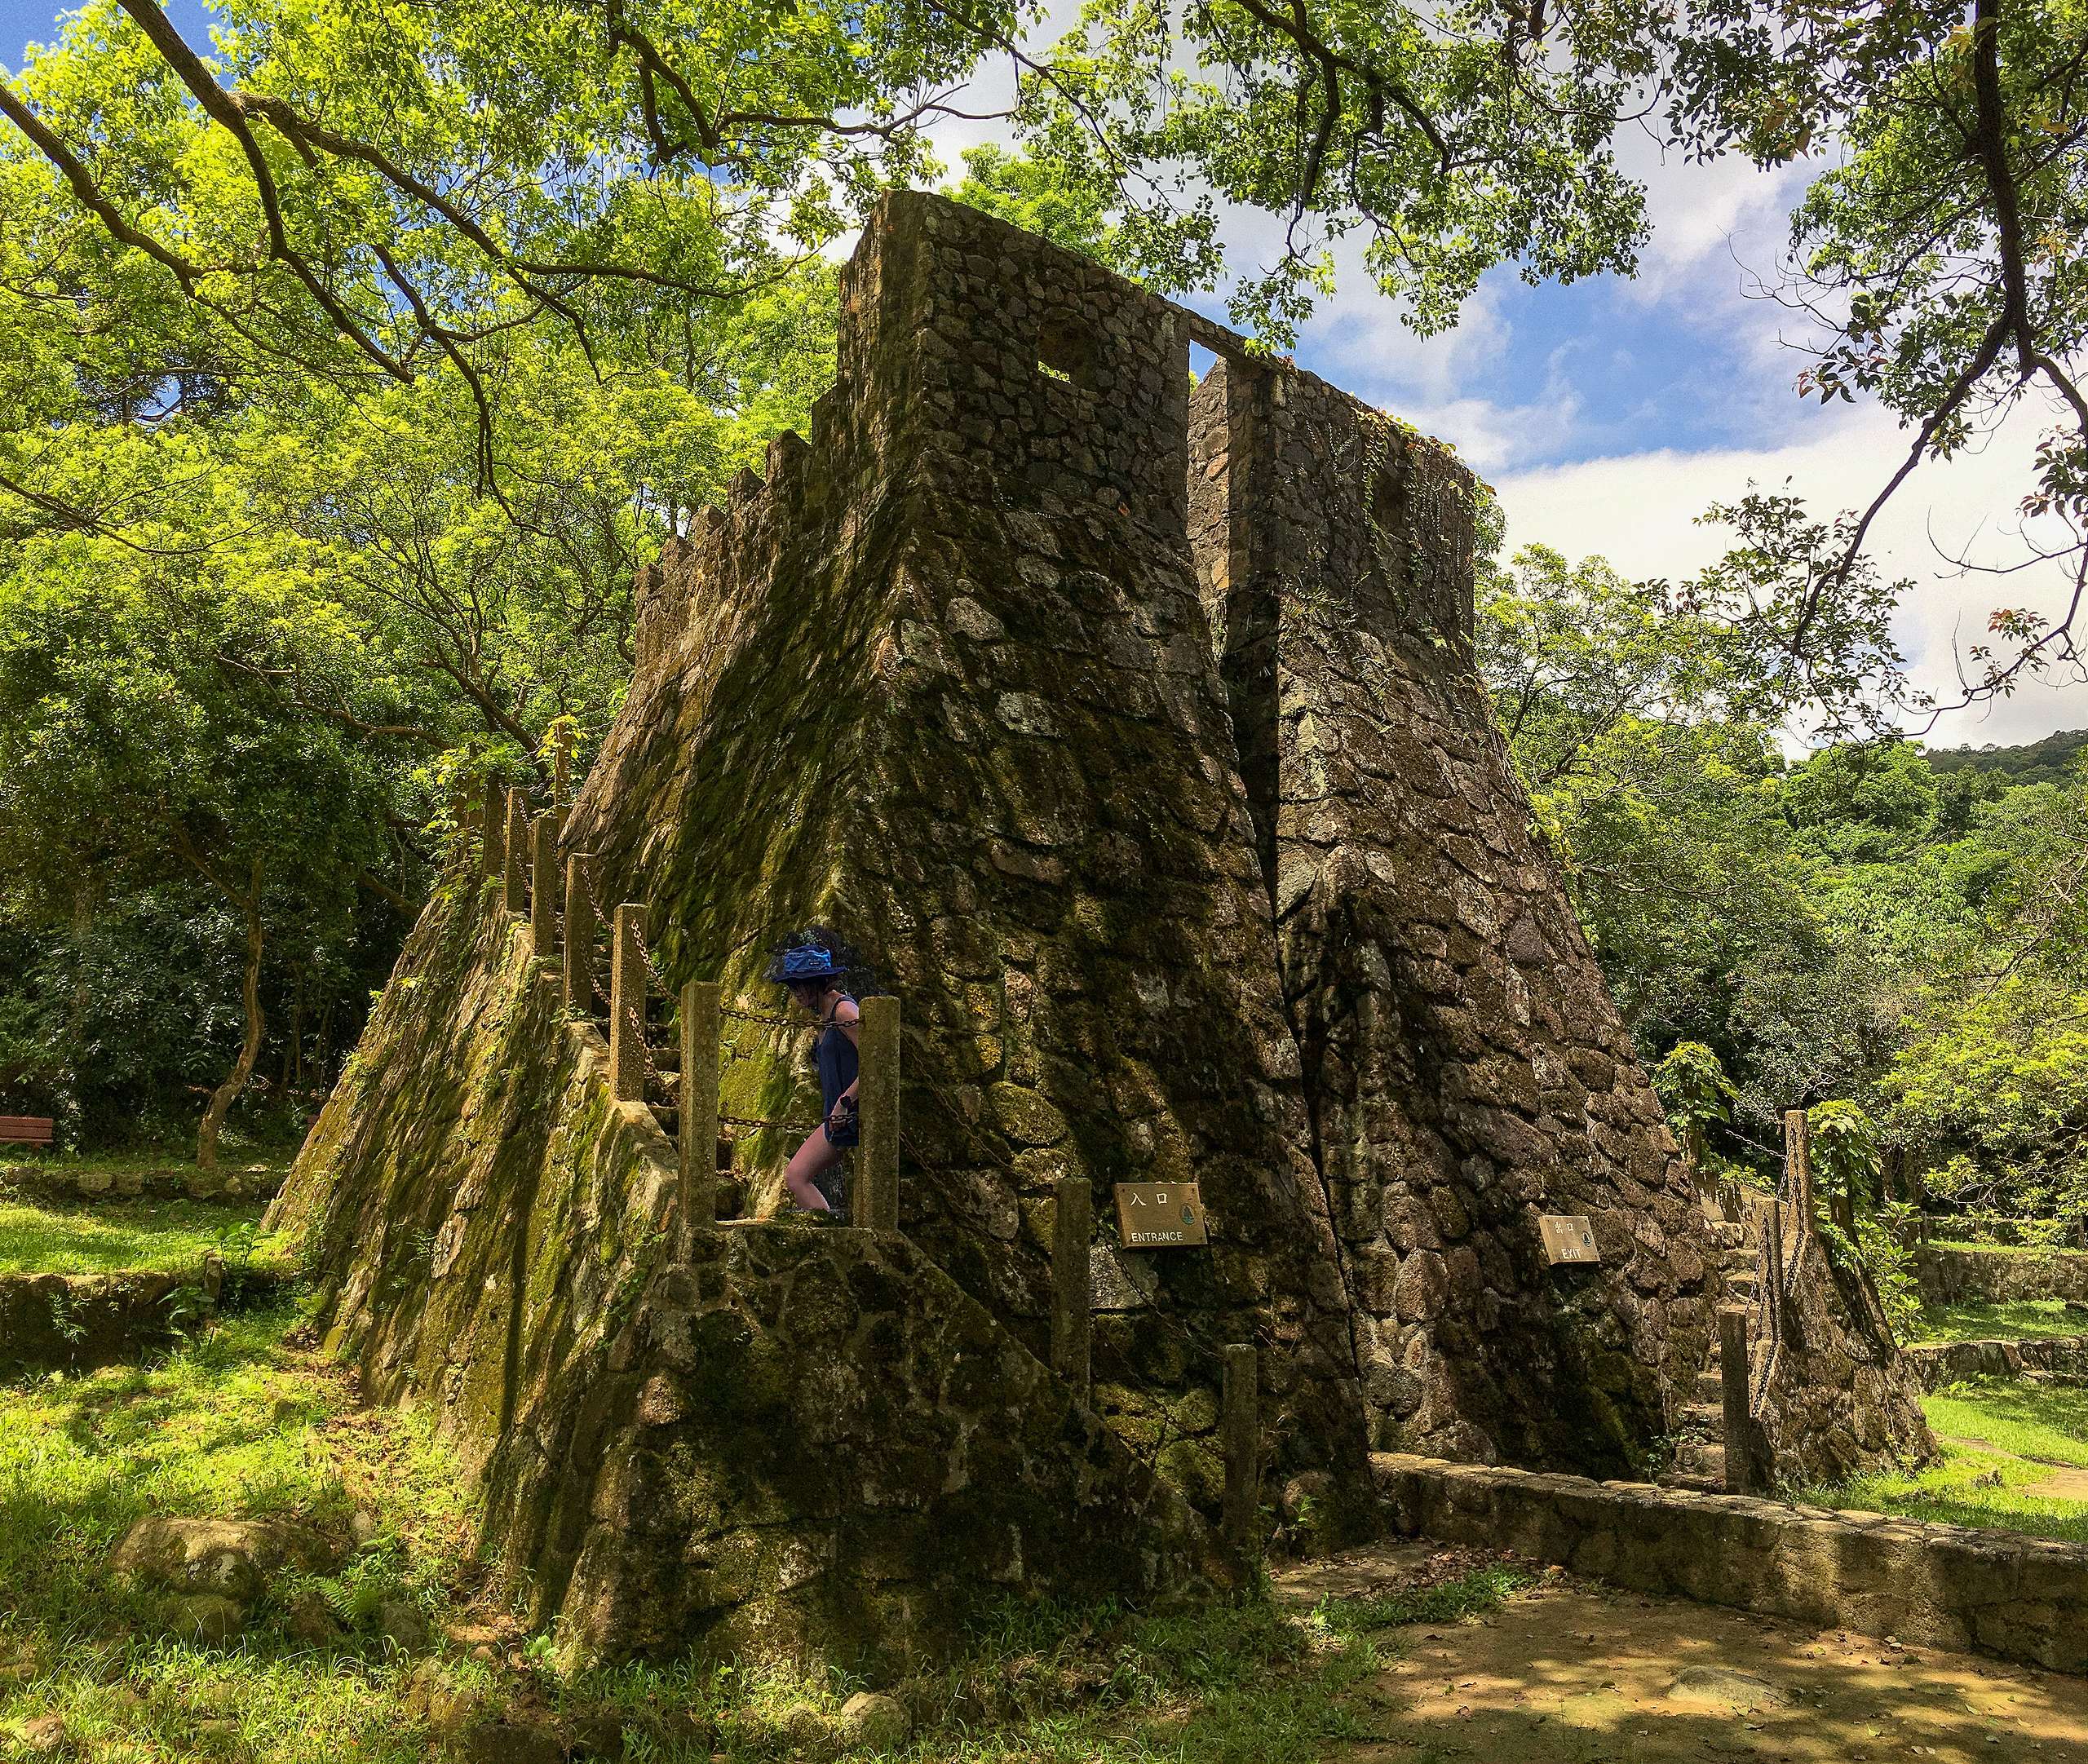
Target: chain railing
<point x="522" y="854"/>
<point x="1780" y="1272"/>
<point x="565" y="928"/>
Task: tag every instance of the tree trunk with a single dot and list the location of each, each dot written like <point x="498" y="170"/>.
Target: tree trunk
<point x="227" y="1092"/>
<point x="83" y="925"/>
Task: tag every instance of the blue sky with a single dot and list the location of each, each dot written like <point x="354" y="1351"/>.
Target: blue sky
<point x="1609" y="413"/>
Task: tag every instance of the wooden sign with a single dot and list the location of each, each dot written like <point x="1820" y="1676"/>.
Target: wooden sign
<point x="1567" y="1237"/>
<point x="1160" y="1215"/>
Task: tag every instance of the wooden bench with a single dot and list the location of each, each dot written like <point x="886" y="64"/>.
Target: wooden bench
<point x="25" y="1130"/>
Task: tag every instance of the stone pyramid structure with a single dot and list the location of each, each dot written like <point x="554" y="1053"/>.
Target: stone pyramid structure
<point x="1128" y="726"/>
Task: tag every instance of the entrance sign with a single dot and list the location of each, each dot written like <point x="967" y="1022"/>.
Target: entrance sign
<point x="1567" y="1237"/>
<point x="1160" y="1215"/>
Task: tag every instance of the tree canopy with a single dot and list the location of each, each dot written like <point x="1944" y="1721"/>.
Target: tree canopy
<point x="350" y="358"/>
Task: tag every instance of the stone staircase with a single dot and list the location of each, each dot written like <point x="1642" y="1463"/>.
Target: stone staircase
<point x="1700" y="1456"/>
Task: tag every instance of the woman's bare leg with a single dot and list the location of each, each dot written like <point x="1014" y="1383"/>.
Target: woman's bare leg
<point x="815" y="1157"/>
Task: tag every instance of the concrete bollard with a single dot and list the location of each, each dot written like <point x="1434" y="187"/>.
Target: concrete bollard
<point x="1239" y="1444"/>
<point x="579" y="943"/>
<point x="493" y="825"/>
<point x="543" y="889"/>
<point x="1072" y="1228"/>
<point x="627" y="1006"/>
<point x="515" y="854"/>
<point x="702" y="1013"/>
<point x="876" y="1200"/>
<point x="1798" y="1166"/>
<point x="1732" y="1378"/>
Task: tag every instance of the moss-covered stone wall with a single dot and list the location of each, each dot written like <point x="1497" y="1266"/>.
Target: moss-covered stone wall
<point x="809" y="1441"/>
<point x="1133" y="738"/>
<point x="945" y="683"/>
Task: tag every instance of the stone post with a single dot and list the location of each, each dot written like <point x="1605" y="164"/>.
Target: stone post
<point x="579" y="943"/>
<point x="543" y="889"/>
<point x="1732" y="1378"/>
<point x="1697" y="1152"/>
<point x="1239" y="1444"/>
<point x="876" y="1095"/>
<point x="464" y="818"/>
<point x="627" y="1006"/>
<point x="562" y="772"/>
<point x="1072" y="1228"/>
<point x="1844" y="1207"/>
<point x="702" y="1007"/>
<point x="1797" y="1165"/>
<point x="515" y="854"/>
<point x="493" y="845"/>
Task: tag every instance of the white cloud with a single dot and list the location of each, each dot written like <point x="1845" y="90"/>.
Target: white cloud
<point x="1638" y="510"/>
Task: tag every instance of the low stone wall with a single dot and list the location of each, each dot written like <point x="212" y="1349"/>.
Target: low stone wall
<point x="76" y="1322"/>
<point x="1948" y="1276"/>
<point x="1941" y="1362"/>
<point x="1936" y="1585"/>
<point x="56" y="1181"/>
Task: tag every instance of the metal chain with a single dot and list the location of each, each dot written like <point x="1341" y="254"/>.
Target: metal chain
<point x="1772" y="1302"/>
<point x="761" y="1121"/>
<point x="645" y="955"/>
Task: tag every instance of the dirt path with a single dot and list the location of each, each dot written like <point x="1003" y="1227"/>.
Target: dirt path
<point x="1570" y="1673"/>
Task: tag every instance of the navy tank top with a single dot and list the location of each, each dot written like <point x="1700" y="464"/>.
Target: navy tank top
<point x="839" y="1063"/>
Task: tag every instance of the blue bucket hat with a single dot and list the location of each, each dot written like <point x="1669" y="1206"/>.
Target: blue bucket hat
<point x="805" y="962"/>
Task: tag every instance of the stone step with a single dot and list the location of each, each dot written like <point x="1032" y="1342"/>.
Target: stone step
<point x="1700" y="1458"/>
<point x="1727" y="1236"/>
<point x="1711" y="1388"/>
<point x="1706" y="1420"/>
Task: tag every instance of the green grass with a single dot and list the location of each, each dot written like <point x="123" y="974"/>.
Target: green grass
<point x="2035" y="1427"/>
<point x="2029" y="1419"/>
<point x="1977" y="1321"/>
<point x="107" y="1237"/>
<point x="2007" y="1249"/>
<point x="250" y="1421"/>
<point x="233" y="1154"/>
<point x="1224" y="1683"/>
<point x="1471" y="1595"/>
<point x="239" y="1423"/>
<point x="1974" y="1488"/>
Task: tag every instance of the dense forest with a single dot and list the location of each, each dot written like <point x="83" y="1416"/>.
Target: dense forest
<point x="1902" y="934"/>
<point x="352" y="359"/>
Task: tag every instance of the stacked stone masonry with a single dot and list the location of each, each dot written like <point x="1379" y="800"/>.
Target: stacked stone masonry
<point x="1996" y="1276"/>
<point x="804" y="1441"/>
<point x="1131" y="732"/>
<point x="1924" y="1585"/>
<point x="1938" y="1364"/>
<point x="1837" y="1397"/>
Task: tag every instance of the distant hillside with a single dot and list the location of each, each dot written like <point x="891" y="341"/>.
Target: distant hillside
<point x="2035" y="763"/>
